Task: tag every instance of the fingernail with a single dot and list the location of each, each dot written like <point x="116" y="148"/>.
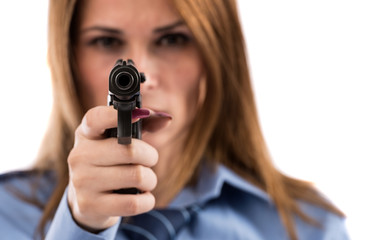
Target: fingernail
<point x="140" y="113"/>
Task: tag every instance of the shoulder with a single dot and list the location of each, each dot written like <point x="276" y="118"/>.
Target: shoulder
<point x="331" y="226"/>
<point x="23" y="194"/>
<point x="18" y="178"/>
<point x="240" y="210"/>
<point x="19" y="175"/>
<point x="27" y="184"/>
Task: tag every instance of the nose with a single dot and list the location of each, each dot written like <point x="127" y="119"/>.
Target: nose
<point x="146" y="64"/>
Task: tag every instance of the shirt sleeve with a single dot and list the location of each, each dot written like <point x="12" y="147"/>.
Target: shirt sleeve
<point x="63" y="226"/>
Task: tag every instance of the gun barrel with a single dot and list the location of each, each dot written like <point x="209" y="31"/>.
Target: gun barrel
<point x="124" y="95"/>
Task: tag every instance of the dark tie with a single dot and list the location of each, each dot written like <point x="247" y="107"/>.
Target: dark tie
<point x="163" y="224"/>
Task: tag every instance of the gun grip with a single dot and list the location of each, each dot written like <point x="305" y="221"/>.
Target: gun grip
<point x="124" y="129"/>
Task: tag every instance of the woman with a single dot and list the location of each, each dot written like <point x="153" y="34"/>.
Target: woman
<point x="202" y="149"/>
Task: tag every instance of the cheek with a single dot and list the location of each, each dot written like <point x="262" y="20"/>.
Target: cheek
<point x="187" y="88"/>
<point x="92" y="83"/>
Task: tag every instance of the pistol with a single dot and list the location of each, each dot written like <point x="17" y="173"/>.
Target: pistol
<point x="124" y="95"/>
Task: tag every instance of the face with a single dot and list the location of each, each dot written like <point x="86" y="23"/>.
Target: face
<point x="154" y="36"/>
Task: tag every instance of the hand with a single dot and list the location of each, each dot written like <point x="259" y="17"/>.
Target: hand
<point x="99" y="165"/>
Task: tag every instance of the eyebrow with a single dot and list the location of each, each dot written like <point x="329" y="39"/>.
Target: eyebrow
<point x="169" y="27"/>
<point x="102" y="29"/>
<point x="119" y="32"/>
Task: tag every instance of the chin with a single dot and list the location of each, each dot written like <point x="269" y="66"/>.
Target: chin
<point x="157" y="140"/>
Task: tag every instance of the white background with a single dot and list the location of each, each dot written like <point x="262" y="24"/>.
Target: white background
<point x="314" y="69"/>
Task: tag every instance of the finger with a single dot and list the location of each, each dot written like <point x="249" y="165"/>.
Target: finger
<point x="138" y="152"/>
<point x="118" y="177"/>
<point x="97" y="120"/>
<point x="125" y="204"/>
<point x="107" y="152"/>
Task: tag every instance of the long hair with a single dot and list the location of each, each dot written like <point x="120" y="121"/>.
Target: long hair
<point x="226" y="129"/>
<point x="66" y="109"/>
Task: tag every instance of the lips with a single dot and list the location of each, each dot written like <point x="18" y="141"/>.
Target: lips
<point x="156" y="121"/>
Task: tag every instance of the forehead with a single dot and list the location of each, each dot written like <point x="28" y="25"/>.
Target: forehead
<point x="140" y="13"/>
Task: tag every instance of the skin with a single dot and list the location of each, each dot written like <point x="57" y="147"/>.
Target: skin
<point x="152" y="34"/>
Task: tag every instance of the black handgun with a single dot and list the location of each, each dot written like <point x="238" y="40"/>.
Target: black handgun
<point x="124" y="95"/>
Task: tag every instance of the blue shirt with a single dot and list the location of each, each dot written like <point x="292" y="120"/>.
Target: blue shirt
<point x="231" y="208"/>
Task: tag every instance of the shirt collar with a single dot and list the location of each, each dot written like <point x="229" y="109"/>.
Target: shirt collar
<point x="210" y="185"/>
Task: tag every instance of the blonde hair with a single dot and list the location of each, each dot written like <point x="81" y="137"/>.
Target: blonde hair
<point x="226" y="128"/>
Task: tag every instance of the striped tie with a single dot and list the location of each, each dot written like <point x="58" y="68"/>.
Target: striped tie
<point x="163" y="224"/>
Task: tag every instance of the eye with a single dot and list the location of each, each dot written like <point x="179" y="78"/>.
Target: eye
<point x="173" y="39"/>
<point x="105" y="42"/>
